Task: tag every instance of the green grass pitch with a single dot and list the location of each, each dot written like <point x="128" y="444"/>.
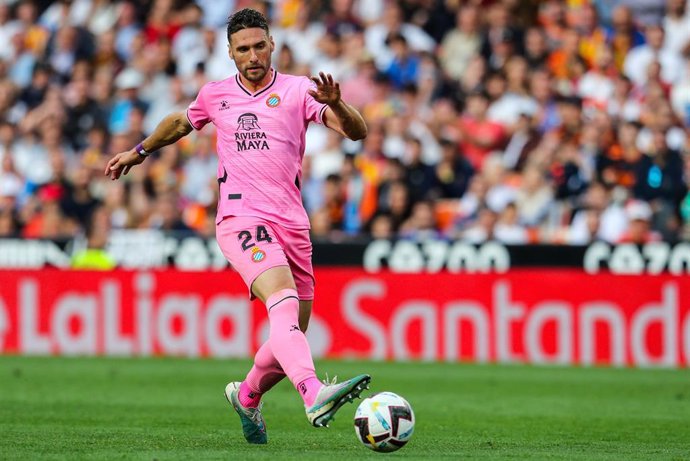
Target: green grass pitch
<point x="163" y="409"/>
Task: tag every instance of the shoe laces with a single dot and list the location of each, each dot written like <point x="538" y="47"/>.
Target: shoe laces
<point x="254" y="413"/>
<point x="330" y="382"/>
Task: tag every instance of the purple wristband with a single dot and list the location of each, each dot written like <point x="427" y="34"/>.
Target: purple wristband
<point x="140" y="150"/>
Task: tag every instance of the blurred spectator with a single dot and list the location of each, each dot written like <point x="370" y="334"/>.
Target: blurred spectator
<point x="216" y="11"/>
<point x="617" y="165"/>
<point x="127" y="29"/>
<point x="645" y="11"/>
<point x="461" y="43"/>
<point x="396" y="203"/>
<point x="680" y="96"/>
<point x="639" y="59"/>
<point x="514" y="99"/>
<point x="404" y="67"/>
<point x="421" y="225"/>
<point x="453" y="172"/>
<point x="676" y="24"/>
<point x="660" y="181"/>
<point x="420" y="177"/>
<point x="623" y="34"/>
<point x="592" y="34"/>
<point x="483" y="229"/>
<point x="392" y="22"/>
<point x="83" y="113"/>
<point x="188" y="45"/>
<point x="381" y="227"/>
<point x="95" y="256"/>
<point x="597" y="85"/>
<point x="479" y="135"/>
<point x="599" y="217"/>
<point x="508" y="229"/>
<point x="639" y="230"/>
<point x="536" y="50"/>
<point x="565" y="62"/>
<point x="534" y="197"/>
<point x="305" y="35"/>
<point x="127" y="83"/>
<point x="77" y="202"/>
<point x="501" y="39"/>
<point x="551" y="18"/>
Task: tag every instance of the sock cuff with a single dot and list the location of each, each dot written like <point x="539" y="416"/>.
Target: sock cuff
<point x="281" y="296"/>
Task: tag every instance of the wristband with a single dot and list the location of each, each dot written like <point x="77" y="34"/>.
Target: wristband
<point x="141" y="151"/>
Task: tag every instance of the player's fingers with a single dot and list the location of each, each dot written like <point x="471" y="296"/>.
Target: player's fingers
<point x="337" y="86"/>
<point x="108" y="167"/>
<point x="324" y="80"/>
<point x="330" y="79"/>
<point x="114" y="175"/>
<point x="127" y="168"/>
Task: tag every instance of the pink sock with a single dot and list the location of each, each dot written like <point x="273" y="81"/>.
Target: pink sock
<point x="248" y="398"/>
<point x="288" y="343"/>
<point x="266" y="371"/>
<point x="309" y="388"/>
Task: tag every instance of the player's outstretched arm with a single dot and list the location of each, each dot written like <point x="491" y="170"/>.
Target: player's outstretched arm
<point x="339" y="115"/>
<point x="169" y="130"/>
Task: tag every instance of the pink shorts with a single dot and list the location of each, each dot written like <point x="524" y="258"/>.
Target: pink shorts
<point x="253" y="245"/>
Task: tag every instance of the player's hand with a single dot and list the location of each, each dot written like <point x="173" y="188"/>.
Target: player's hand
<point x="327" y="91"/>
<point x="122" y="163"/>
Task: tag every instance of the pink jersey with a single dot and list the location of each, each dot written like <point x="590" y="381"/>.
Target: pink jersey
<point x="260" y="145"/>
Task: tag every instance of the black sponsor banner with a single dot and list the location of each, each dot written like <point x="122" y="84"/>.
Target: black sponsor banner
<point x="154" y="249"/>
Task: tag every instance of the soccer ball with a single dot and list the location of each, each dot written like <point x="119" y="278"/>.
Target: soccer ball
<point x="384" y="422"/>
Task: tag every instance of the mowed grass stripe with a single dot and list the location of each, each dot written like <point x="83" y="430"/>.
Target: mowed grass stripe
<point x="105" y="408"/>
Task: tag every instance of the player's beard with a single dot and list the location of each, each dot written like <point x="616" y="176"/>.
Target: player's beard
<point x="256" y="74"/>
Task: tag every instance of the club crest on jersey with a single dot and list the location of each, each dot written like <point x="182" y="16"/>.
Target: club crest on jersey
<point x="273" y="100"/>
<point x="248" y="122"/>
<point x="258" y="255"/>
<point x="224" y="105"/>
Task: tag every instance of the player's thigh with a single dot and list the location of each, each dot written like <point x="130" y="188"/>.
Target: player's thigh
<point x="304" y="314"/>
<point x="252" y="247"/>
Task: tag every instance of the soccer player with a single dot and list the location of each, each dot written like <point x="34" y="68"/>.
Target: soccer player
<point x="262" y="228"/>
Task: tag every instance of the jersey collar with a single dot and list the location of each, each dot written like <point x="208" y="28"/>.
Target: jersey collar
<point x="262" y="90"/>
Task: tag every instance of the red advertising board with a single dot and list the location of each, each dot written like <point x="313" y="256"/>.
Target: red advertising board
<point x="529" y="316"/>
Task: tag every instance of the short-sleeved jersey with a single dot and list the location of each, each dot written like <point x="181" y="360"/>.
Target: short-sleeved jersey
<point x="260" y="145"/>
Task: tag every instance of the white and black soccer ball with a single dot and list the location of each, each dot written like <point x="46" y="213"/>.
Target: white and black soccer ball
<point x="384" y="422"/>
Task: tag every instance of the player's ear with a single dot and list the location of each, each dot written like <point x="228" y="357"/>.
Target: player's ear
<point x="230" y="52"/>
<point x="273" y="44"/>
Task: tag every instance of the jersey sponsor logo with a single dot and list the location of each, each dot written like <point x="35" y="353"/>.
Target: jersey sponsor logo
<point x="224" y="105"/>
<point x="273" y="100"/>
<point x="248" y="122"/>
<point x="258" y="255"/>
<point x="248" y="135"/>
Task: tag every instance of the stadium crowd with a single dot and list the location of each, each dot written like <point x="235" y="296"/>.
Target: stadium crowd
<point x="556" y="121"/>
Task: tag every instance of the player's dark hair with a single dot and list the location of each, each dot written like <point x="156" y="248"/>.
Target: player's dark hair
<point x="246" y="19"/>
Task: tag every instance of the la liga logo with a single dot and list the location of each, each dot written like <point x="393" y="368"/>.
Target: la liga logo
<point x="258" y="255"/>
<point x="273" y="100"/>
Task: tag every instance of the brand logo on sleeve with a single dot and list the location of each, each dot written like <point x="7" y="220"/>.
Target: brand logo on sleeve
<point x="273" y="100"/>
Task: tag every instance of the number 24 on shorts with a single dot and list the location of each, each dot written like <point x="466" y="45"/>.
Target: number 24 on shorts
<point x="246" y="237"/>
